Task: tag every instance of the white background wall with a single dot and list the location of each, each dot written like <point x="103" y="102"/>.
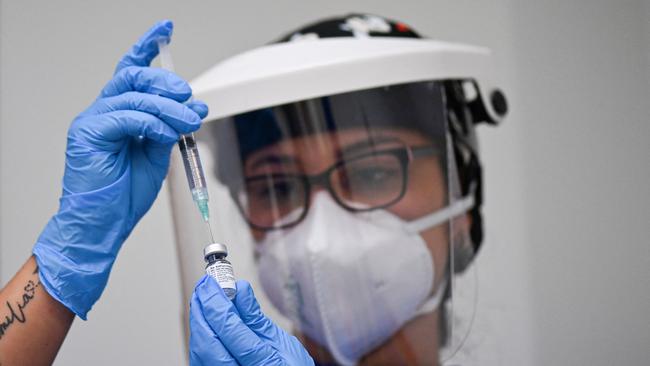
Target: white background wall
<point x="565" y="268"/>
<point x="583" y="82"/>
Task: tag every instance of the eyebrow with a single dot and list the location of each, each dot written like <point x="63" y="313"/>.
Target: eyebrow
<point x="368" y="144"/>
<point x="274" y="160"/>
<point x="357" y="147"/>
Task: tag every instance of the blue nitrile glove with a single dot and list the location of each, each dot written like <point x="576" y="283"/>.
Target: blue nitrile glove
<point x="224" y="332"/>
<point x="117" y="157"/>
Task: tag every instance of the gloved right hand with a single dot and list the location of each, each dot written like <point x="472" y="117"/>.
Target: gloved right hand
<point x="224" y="332"/>
<point x="116" y="159"/>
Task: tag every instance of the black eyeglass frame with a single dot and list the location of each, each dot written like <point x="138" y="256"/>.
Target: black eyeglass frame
<point x="404" y="154"/>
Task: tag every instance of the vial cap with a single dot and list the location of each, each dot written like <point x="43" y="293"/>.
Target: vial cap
<point x="215" y="248"/>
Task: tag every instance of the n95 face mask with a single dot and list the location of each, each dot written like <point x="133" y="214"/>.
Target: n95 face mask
<point x="350" y="281"/>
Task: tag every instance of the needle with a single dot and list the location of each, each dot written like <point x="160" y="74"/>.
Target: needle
<point x="210" y="230"/>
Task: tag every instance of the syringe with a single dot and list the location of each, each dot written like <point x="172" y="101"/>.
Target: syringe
<point x="189" y="151"/>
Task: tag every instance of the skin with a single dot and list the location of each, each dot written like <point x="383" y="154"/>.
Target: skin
<point x="33" y="324"/>
<point x="315" y="153"/>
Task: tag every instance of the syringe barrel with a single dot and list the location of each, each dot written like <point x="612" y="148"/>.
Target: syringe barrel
<point x="192" y="162"/>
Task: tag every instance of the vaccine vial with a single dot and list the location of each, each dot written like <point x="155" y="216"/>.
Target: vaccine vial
<point x="219" y="268"/>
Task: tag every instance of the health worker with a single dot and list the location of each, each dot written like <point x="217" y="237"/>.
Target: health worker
<point x="347" y="155"/>
<point x="345" y="161"/>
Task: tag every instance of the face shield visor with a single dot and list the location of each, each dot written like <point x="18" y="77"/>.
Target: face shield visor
<point x="345" y="213"/>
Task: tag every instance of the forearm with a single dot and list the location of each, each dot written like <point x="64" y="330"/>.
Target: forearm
<point x="33" y="325"/>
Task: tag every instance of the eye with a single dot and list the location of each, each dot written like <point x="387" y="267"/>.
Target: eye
<point x="283" y="189"/>
<point x="371" y="175"/>
<point x="271" y="190"/>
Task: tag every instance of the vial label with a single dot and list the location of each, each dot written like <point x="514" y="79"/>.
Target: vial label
<point x="224" y="275"/>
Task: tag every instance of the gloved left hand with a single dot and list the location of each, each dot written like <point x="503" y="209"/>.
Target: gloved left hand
<point x="224" y="332"/>
<point x="116" y="159"/>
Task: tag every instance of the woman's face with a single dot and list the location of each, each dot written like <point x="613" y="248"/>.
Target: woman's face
<point x="312" y="154"/>
<point x="425" y="191"/>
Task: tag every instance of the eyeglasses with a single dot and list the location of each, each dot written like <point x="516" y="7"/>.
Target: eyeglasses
<point x="365" y="182"/>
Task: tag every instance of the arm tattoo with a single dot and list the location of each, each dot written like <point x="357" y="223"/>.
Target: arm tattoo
<point x="17" y="309"/>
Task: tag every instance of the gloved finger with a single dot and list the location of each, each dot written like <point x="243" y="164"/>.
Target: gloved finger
<point x="177" y="115"/>
<point x="146" y="48"/>
<point x="158" y="153"/>
<point x="239" y="340"/>
<point x="199" y="107"/>
<point x="205" y="346"/>
<point x="251" y="314"/>
<point x="265" y="328"/>
<point x="117" y="125"/>
<point x="147" y="80"/>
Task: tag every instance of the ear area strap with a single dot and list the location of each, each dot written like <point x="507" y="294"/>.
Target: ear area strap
<point x="436" y="218"/>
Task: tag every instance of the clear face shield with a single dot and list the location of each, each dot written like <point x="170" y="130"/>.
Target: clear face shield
<point x="346" y="214"/>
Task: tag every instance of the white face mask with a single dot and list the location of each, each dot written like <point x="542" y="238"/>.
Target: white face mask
<point x="350" y="281"/>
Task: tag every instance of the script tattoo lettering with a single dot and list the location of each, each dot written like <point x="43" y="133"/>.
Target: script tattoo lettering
<point x="17" y="309"/>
